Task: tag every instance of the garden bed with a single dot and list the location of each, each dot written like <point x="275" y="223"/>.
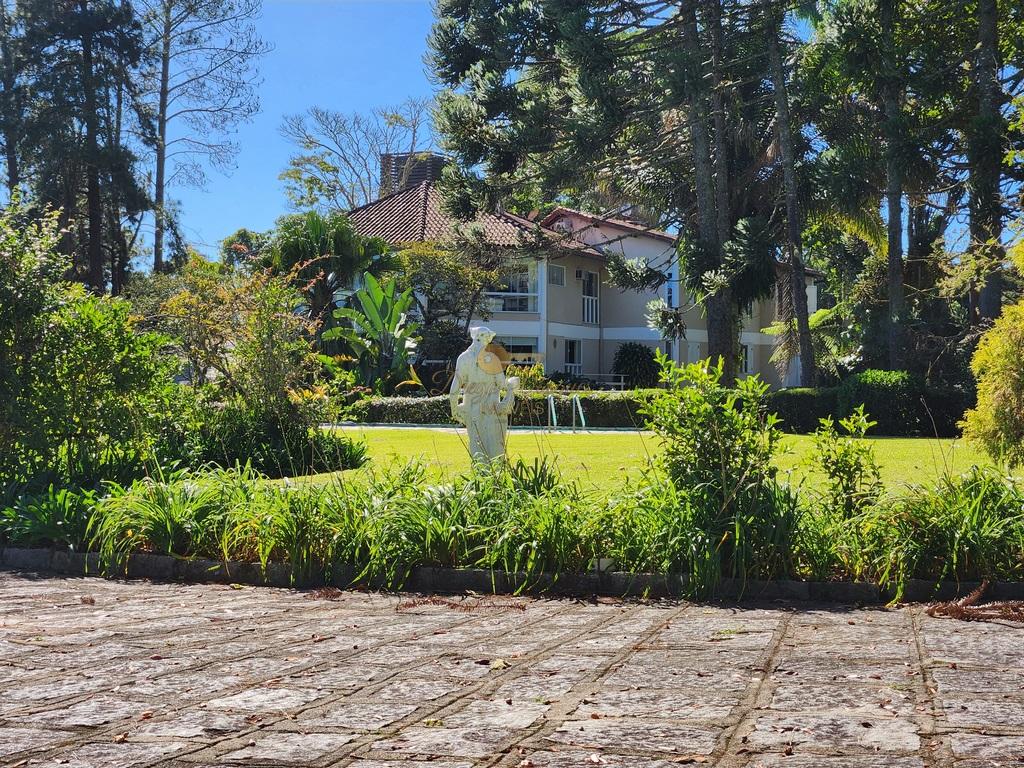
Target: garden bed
<point x="474" y="580"/>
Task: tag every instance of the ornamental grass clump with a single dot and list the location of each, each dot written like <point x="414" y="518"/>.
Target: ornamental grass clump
<point x="966" y="527"/>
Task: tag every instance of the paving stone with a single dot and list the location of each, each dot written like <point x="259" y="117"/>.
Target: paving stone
<point x="298" y="748"/>
<point x="576" y="759"/>
<point x="832" y="733"/>
<point x="980" y="712"/>
<point x="782" y="760"/>
<point x="112" y="755"/>
<point x="357" y="715"/>
<point x="445" y="742"/>
<point x="90" y="713"/>
<point x="988" y="748"/>
<point x="872" y="700"/>
<point x="636" y="735"/>
<point x="266" y="699"/>
<point x="204" y="676"/>
<point x="675" y="705"/>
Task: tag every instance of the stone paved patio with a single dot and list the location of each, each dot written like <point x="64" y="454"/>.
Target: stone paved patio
<point x="96" y="673"/>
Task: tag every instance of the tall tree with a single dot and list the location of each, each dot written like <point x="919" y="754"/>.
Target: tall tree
<point x="76" y="51"/>
<point x="666" y="102"/>
<point x="774" y="20"/>
<point x="339" y="167"/>
<point x="203" y="86"/>
<point x="986" y="148"/>
<point x="12" y="100"/>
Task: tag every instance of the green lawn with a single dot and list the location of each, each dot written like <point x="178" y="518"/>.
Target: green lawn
<point x="602" y="460"/>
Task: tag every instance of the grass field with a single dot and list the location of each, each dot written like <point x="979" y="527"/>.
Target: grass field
<point x="601" y="461"/>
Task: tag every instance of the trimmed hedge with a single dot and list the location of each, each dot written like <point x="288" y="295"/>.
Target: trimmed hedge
<point x="901" y="407"/>
<point x="901" y="404"/>
<point x="601" y="409"/>
<point x="802" y="408"/>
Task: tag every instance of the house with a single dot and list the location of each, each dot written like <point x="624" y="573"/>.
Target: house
<point x="558" y="306"/>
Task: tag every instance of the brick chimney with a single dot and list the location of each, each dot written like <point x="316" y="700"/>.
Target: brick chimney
<point x="401" y="170"/>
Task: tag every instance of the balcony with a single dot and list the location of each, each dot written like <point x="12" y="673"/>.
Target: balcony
<point x="591" y="312"/>
<point x="500" y="301"/>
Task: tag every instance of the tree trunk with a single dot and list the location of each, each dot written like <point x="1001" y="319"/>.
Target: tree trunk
<point x="94" y="202"/>
<point x="986" y="156"/>
<point x="11" y="106"/>
<point x="161" y="141"/>
<point x="894" y="186"/>
<point x="797" y="274"/>
<point x="711" y="182"/>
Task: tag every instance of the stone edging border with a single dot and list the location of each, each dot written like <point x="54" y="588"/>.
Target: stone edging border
<point x="454" y="581"/>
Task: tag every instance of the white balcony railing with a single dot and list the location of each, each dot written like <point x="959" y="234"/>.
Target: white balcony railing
<point x="511" y="302"/>
<point x="591" y="313"/>
<point x="574" y="369"/>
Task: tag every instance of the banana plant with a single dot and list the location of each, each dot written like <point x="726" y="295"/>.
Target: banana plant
<point x="378" y="333"/>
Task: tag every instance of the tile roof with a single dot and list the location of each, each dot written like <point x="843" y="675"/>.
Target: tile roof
<point x="632" y="226"/>
<point x="417" y="215"/>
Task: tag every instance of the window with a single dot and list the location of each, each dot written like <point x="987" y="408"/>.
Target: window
<point x="522" y="349"/>
<point x="669" y="293"/>
<point x="574" y="357"/>
<point x="591" y="286"/>
<point x="556" y="274"/>
<point x="744" y="358"/>
<point x="517" y="292"/>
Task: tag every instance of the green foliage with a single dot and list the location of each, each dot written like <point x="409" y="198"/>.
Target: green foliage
<point x="283" y="441"/>
<point x="718" y="449"/>
<point x="321" y="256"/>
<point x="997" y="423"/>
<point x="56" y="516"/>
<point x="602" y="409"/>
<point x="379" y="334"/>
<point x="967" y="527"/>
<point x="637" y="363"/>
<point x="82" y="390"/>
<point x="800" y="409"/>
<point x="848" y="463"/>
<point x="892" y="397"/>
<point x="531" y="377"/>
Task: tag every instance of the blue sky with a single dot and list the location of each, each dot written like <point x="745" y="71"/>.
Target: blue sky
<point x="349" y="55"/>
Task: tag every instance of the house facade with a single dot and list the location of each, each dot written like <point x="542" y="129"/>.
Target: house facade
<point x="558" y="306"/>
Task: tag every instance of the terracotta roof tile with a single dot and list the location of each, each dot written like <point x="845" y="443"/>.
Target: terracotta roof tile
<point x="417" y="215"/>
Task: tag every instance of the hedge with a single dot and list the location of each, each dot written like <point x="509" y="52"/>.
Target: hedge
<point x="802" y="408"/>
<point x="601" y="409"/>
<point x="901" y="406"/>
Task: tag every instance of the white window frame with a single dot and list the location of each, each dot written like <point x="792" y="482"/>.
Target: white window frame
<point x="508" y="300"/>
<point x="574" y="367"/>
<point x="556" y="275"/>
<point x="745" y="358"/>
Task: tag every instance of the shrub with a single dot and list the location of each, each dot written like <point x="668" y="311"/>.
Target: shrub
<point x="58" y="516"/>
<point x="848" y="464"/>
<point x="966" y="527"/>
<point x="280" y="441"/>
<point x="83" y="390"/>
<point x="531" y="377"/>
<point x="637" y="363"/>
<point x="801" y="409"/>
<point x="718" y="449"/>
<point x="601" y="409"/>
<point x="997" y="423"/>
<point x="893" y="398"/>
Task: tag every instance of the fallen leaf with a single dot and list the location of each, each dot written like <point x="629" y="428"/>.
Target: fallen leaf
<point x="121" y="738"/>
<point x="88" y="600"/>
<point x="433" y="722"/>
<point x="146" y="715"/>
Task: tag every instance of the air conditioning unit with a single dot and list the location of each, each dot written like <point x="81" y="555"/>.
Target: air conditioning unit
<point x="579" y="274"/>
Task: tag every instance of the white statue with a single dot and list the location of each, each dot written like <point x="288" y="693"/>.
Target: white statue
<point x="479" y="380"/>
